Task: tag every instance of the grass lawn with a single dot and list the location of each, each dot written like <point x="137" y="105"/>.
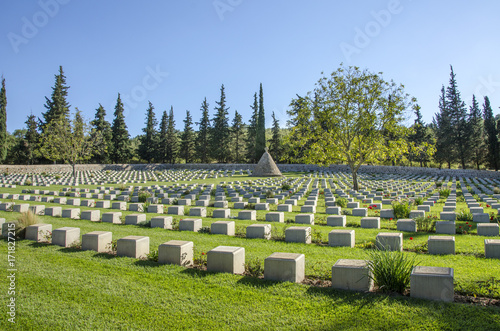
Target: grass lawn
<point x="68" y="289"/>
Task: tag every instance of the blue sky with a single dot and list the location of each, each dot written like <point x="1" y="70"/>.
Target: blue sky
<point x="175" y="53"/>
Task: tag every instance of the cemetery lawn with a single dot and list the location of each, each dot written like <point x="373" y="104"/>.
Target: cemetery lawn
<point x="66" y="288"/>
<point x="70" y="289"/>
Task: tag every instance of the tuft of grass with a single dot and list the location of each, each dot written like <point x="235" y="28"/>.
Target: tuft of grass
<point x="391" y="271"/>
<point x="425" y="224"/>
<point x="23" y="221"/>
<point x="341" y="202"/>
<point x="444" y="193"/>
<point x="254" y="267"/>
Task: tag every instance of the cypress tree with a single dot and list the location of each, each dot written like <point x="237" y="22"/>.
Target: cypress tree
<point x="101" y="128"/>
<point x="148" y="142"/>
<point x="162" y="149"/>
<point x="276" y="144"/>
<point x="3" y="121"/>
<point x="172" y="141"/>
<point x="252" y="131"/>
<point x="460" y="133"/>
<point x="442" y="131"/>
<point x="491" y="132"/>
<point x="188" y="139"/>
<point x="31" y="140"/>
<point x="237" y="138"/>
<point x="57" y="106"/>
<point x="120" y="151"/>
<point x="202" y="140"/>
<point x="220" y="133"/>
<point x="260" y="138"/>
<point x="475" y="123"/>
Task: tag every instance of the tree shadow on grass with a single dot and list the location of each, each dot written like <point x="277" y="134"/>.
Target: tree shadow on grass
<point x="147" y="263"/>
<point x="195" y="272"/>
<point x="105" y="255"/>
<point x="257" y="282"/>
<point x="70" y="249"/>
<point x="39" y="244"/>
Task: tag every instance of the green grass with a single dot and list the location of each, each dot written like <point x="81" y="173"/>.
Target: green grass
<point x="70" y="289"/>
<point x="60" y="288"/>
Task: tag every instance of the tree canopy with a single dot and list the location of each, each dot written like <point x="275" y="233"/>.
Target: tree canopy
<point x="353" y="116"/>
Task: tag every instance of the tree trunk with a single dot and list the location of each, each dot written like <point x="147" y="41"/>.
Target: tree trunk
<point x="355" y="180"/>
<point x="74" y="170"/>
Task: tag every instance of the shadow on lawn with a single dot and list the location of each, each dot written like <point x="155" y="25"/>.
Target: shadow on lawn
<point x="257" y="282"/>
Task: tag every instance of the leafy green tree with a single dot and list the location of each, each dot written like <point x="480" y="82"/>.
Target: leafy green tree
<point x="220" y="133"/>
<point x="348" y="114"/>
<point x="3" y="122"/>
<point x="252" y="131"/>
<point x="276" y="144"/>
<point x="101" y="127"/>
<point x="237" y="134"/>
<point x="475" y="124"/>
<point x="120" y="139"/>
<point x="202" y="141"/>
<point x="172" y="140"/>
<point x="188" y="139"/>
<point x="260" y="138"/>
<point x="73" y="145"/>
<point x="491" y="132"/>
<point x="460" y="133"/>
<point x="57" y="106"/>
<point x="442" y="131"/>
<point x="162" y="149"/>
<point x="148" y="142"/>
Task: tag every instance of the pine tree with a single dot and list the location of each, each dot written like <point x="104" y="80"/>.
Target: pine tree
<point x="220" y="133"/>
<point x="162" y="149"/>
<point x="252" y="131"/>
<point x="188" y="139"/>
<point x="442" y="131"/>
<point x="172" y="141"/>
<point x="276" y="144"/>
<point x="102" y="128"/>
<point x="31" y="140"/>
<point x="3" y="122"/>
<point x="460" y="133"/>
<point x="202" y="141"/>
<point x="120" y="151"/>
<point x="475" y="124"/>
<point x="148" y="142"/>
<point x="237" y="134"/>
<point x="260" y="138"/>
<point x="57" y="106"/>
<point x="491" y="132"/>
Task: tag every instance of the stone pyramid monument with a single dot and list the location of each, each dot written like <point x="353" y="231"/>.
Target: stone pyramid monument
<point x="266" y="166"/>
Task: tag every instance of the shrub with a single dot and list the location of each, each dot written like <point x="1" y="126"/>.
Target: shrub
<point x="496" y="190"/>
<point x="316" y="236"/>
<point x="143" y="195"/>
<point x="379" y="189"/>
<point x="269" y="195"/>
<point x="205" y="229"/>
<point x="23" y="221"/>
<point x="240" y="231"/>
<point x="254" y="267"/>
<point x="112" y="246"/>
<point x="201" y="260"/>
<point x="391" y="270"/>
<point x="57" y="177"/>
<point x="439" y="184"/>
<point x="212" y="193"/>
<point x="444" y="193"/>
<point x="285" y="187"/>
<point x="346" y="212"/>
<point x="341" y="202"/>
<point x="278" y="233"/>
<point x="464" y="216"/>
<point x="419" y="201"/>
<point x="28" y="182"/>
<point x="425" y="224"/>
<point x="401" y="209"/>
<point x="152" y="256"/>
